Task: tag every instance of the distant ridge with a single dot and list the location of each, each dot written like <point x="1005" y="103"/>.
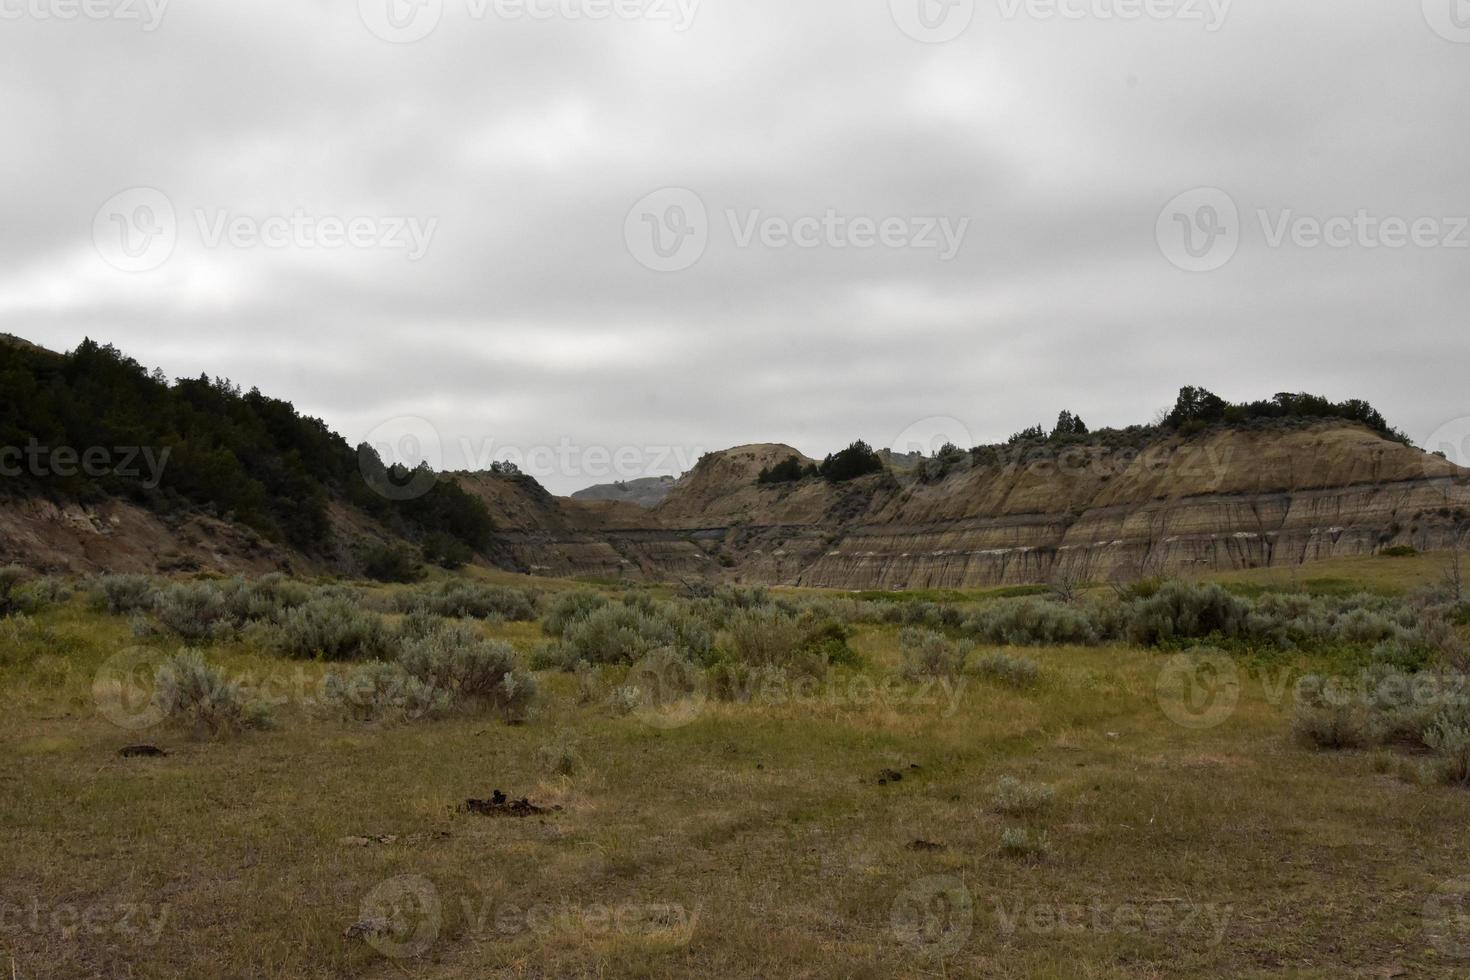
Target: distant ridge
<point x="647" y="492"/>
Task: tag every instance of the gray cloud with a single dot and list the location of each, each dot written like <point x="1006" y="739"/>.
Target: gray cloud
<point x="530" y="323"/>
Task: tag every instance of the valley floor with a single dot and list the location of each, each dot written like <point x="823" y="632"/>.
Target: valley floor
<point x="718" y="840"/>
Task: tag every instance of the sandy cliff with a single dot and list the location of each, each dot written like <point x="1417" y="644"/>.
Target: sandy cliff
<point x="1227" y="498"/>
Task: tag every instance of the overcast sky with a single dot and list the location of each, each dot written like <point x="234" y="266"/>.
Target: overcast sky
<point x="573" y="231"/>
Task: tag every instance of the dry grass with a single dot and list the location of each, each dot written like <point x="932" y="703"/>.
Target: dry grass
<point x="753" y="841"/>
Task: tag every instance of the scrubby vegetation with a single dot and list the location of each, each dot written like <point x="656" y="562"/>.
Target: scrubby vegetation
<point x="856" y="460"/>
<point x="470" y="670"/>
<point x="462" y="598"/>
<point x="930" y="654"/>
<point x="873" y="739"/>
<point x="789" y="470"/>
<point x="121" y="594"/>
<point x="1198" y="407"/>
<point x="197" y="696"/>
<point x="332" y="629"/>
<point x="1006" y="669"/>
<point x="214" y="448"/>
<point x="624" y="632"/>
<point x="568" y="608"/>
<point x="1013" y="797"/>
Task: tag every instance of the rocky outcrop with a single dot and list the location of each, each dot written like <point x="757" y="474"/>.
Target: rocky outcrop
<point x="116" y="536"/>
<point x="1227" y="498"/>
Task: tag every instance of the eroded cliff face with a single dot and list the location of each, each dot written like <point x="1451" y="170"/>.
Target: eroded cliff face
<point x="1225" y="499"/>
<point x="116" y="536"/>
<point x="1221" y="500"/>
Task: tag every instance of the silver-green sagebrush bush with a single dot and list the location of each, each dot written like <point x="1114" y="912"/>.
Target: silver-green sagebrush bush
<point x="194" y="611"/>
<point x="626" y="632"/>
<point x="472" y="671"/>
<point x="1448" y="736"/>
<point x="333" y="629"/>
<point x="464" y="599"/>
<point x="1026" y="844"/>
<point x="122" y="594"/>
<point x="198" y="696"/>
<point x="1013" y="797"/>
<point x="1005" y="669"/>
<point x="562" y="755"/>
<point x="1033" y="622"/>
<point x="568" y="608"/>
<point x="929" y="654"/>
<point x="263" y="600"/>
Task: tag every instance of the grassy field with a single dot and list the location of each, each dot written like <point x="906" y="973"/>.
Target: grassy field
<point x="1183" y="838"/>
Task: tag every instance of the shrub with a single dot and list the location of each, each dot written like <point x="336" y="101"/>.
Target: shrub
<point x="1014" y="798"/>
<point x="1033" y="623"/>
<point x="195" y="611"/>
<point x="388" y="561"/>
<point x="1032" y="845"/>
<point x="1450" y="741"/>
<point x="770" y="638"/>
<point x="197" y="695"/>
<point x="1448" y="736"/>
<point x="625" y="633"/>
<point x="44" y="591"/>
<point x="1399" y="551"/>
<point x="1333" y="726"/>
<point x="383" y="692"/>
<point x="446" y="551"/>
<point x="461" y="598"/>
<point x="122" y="594"/>
<point x="560" y="756"/>
<point x="930" y="654"/>
<point x="789" y="470"/>
<point x="1180" y="612"/>
<point x="467" y="668"/>
<point x="1368" y="626"/>
<point x="14" y="598"/>
<point x="333" y="629"/>
<point x="264" y="600"/>
<point x="420" y="623"/>
<point x="856" y="460"/>
<point x="827" y="637"/>
<point x="1008" y="670"/>
<point x="764" y="637"/>
<point x="625" y="700"/>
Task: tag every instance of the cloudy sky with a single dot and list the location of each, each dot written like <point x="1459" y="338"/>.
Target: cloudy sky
<point x="625" y="231"/>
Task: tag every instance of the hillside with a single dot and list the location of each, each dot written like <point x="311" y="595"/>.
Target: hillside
<point x="110" y="467"/>
<point x="251" y="485"/>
